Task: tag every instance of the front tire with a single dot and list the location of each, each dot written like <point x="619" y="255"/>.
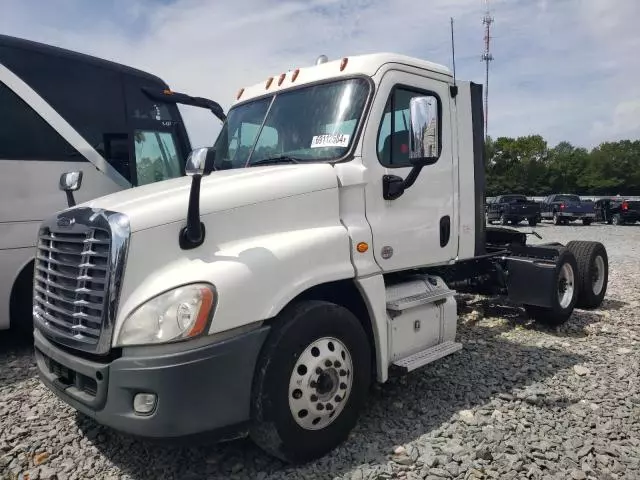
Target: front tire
<point x="593" y="272"/>
<point x="556" y="219"/>
<point x="504" y="220"/>
<point x="586" y="221"/>
<point x="311" y="381"/>
<point x="617" y="220"/>
<point x="533" y="222"/>
<point x="564" y="293"/>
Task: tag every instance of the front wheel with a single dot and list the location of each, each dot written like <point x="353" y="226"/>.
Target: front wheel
<point x="533" y="222"/>
<point x="311" y="381"/>
<point x="556" y="219"/>
<point x="504" y="220"/>
<point x="586" y="221"/>
<point x="564" y="292"/>
<point x="617" y="219"/>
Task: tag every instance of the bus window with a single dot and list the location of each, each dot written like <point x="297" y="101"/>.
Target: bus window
<point x="156" y="156"/>
<point x="87" y="96"/>
<point x="24" y="135"/>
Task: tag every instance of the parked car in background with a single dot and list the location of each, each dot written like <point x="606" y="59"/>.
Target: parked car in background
<point x="563" y="208"/>
<point x="617" y="211"/>
<point x="512" y="209"/>
<point x="61" y="111"/>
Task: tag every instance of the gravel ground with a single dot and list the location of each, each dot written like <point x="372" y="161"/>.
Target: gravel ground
<point x="519" y="401"/>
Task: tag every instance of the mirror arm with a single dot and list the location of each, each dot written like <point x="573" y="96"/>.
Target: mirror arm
<point x="413" y="176"/>
<point x="192" y="235"/>
<point x="71" y="202"/>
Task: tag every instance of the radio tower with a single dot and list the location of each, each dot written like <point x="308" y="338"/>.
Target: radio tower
<point x="487" y="20"/>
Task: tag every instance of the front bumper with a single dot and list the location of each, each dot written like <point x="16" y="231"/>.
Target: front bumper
<point x="201" y="389"/>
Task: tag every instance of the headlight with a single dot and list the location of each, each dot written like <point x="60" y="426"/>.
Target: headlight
<point x="183" y="312"/>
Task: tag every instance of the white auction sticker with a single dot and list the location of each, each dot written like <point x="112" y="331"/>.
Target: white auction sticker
<point x="335" y="140"/>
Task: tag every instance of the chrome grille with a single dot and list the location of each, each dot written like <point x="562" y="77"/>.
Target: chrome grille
<point x="71" y="282"/>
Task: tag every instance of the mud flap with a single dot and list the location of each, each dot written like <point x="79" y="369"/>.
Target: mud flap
<point x="531" y="281"/>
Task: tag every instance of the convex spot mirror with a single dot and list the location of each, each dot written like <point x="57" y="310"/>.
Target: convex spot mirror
<point x="200" y="161"/>
<point x="70" y="181"/>
<point x="424" y="137"/>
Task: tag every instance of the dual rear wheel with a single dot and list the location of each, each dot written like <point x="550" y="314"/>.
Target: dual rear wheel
<point x="580" y="280"/>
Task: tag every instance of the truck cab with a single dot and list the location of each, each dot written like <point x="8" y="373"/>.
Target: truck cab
<point x="314" y="249"/>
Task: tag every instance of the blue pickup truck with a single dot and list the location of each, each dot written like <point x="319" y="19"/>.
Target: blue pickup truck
<point x="512" y="209"/>
<point x="564" y="208"/>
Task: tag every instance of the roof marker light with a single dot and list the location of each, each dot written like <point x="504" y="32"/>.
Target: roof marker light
<point x="343" y="63"/>
<point x="166" y="91"/>
<point x="269" y="80"/>
<point x="295" y="74"/>
<point x="281" y="79"/>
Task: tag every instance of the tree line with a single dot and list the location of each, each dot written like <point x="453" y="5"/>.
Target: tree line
<point x="527" y="165"/>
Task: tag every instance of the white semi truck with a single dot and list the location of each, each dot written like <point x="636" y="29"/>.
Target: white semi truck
<point x="316" y="248"/>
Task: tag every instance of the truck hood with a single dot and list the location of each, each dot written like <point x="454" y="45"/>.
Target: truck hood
<point x="167" y="201"/>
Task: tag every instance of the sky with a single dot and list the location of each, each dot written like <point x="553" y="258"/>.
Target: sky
<point x="565" y="69"/>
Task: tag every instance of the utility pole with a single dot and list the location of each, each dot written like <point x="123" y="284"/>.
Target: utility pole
<point x="487" y="57"/>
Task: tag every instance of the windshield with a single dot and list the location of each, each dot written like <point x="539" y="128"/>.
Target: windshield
<point x="567" y="198"/>
<point x="514" y="199"/>
<point x="314" y="123"/>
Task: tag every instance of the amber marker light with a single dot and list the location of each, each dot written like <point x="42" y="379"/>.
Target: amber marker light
<point x="362" y="247"/>
<point x="203" y="313"/>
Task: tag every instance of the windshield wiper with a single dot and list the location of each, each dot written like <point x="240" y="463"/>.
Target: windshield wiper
<point x="274" y="160"/>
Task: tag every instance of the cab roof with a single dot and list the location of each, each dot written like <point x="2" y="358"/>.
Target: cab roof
<point x="367" y="64"/>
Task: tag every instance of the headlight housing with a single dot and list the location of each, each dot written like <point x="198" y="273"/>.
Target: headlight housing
<point x="180" y="313"/>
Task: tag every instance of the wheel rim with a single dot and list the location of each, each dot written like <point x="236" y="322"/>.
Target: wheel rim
<point x="598" y="275"/>
<point x="565" y="285"/>
<point x="320" y="383"/>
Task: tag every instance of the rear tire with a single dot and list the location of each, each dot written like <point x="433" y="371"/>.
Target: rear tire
<point x="316" y="360"/>
<point x="503" y="220"/>
<point x="556" y="219"/>
<point x="617" y="220"/>
<point x="565" y="293"/>
<point x="586" y="221"/>
<point x="593" y="272"/>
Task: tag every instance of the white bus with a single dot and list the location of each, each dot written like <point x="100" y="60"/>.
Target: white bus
<point x="62" y="111"/>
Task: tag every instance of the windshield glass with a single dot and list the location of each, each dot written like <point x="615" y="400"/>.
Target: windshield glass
<point x="567" y="198"/>
<point x="514" y="199"/>
<point x="314" y="123"/>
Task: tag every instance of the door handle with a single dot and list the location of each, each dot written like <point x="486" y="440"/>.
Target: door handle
<point x="445" y="230"/>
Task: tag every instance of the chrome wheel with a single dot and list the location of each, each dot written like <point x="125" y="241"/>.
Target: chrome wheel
<point x="565" y="285"/>
<point x="598" y="275"/>
<point x="320" y="383"/>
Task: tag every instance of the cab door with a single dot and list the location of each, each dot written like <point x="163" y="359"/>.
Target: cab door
<point x="420" y="227"/>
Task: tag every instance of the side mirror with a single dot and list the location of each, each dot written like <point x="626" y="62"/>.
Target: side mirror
<point x="424" y="137"/>
<point x="199" y="163"/>
<point x="424" y="144"/>
<point x="69" y="183"/>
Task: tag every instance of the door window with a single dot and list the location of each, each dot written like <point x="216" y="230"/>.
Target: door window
<point x="156" y="156"/>
<point x="393" y="135"/>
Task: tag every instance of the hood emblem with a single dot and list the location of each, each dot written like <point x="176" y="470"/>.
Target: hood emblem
<point x="66" y="221"/>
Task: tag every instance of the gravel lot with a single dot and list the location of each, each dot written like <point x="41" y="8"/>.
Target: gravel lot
<point x="518" y="401"/>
